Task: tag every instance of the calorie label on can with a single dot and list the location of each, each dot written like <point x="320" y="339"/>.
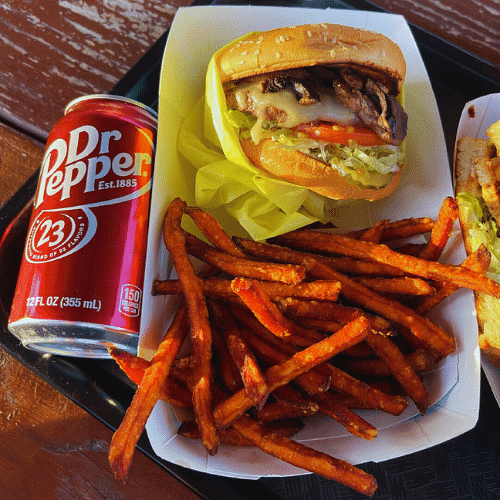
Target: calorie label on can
<point x="80" y="284"/>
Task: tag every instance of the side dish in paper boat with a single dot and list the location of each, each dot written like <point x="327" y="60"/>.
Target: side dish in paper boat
<point x="275" y="349"/>
<point x="281" y="331"/>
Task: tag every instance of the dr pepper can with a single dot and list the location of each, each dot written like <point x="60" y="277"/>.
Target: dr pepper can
<point x="81" y="280"/>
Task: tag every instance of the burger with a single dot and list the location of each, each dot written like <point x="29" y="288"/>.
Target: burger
<point x="317" y="105"/>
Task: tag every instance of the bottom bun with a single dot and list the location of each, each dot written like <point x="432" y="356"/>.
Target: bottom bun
<point x="300" y="169"/>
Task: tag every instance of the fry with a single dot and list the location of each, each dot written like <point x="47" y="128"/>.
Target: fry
<point x="349" y="401"/>
<point x="274" y="349"/>
<point x="273" y="352"/>
<point x="327" y="326"/>
<point x="288" y="394"/>
<point x="183" y="370"/>
<point x="221" y="288"/>
<point x="251" y="374"/>
<point x="236" y="266"/>
<point x="338" y="379"/>
<point x="286" y="427"/>
<point x="356" y="404"/>
<point x="278" y="410"/>
<point x="173" y="391"/>
<point x="213" y="231"/>
<point x="133" y="366"/>
<point x="423" y="332"/>
<point x="125" y="438"/>
<point x="331" y="311"/>
<point x="226" y="366"/>
<point x="268" y="313"/>
<point x="326" y="403"/>
<point x="398" y="286"/>
<point x="400" y="229"/>
<point x="478" y="261"/>
<point x="440" y="234"/>
<point x="419" y="360"/>
<point x="337" y="243"/>
<point x="368" y="395"/>
<point x="411" y="248"/>
<point x="305" y="457"/>
<point x="290" y="397"/>
<point x="190" y="429"/>
<point x="353" y="423"/>
<point x="375" y="233"/>
<point x="402" y="371"/>
<point x="201" y="335"/>
<point x="346" y="265"/>
<point x="361" y="350"/>
<point x="301" y="362"/>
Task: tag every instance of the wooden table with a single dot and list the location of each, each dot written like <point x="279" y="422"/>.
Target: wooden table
<point x="50" y="448"/>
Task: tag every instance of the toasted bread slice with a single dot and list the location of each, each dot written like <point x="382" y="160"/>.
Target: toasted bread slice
<point x="488" y="320"/>
<point x="469" y="149"/>
<point x="474" y="162"/>
<point x="493" y="132"/>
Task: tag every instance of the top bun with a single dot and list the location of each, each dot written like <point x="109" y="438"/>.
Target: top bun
<point x="311" y="45"/>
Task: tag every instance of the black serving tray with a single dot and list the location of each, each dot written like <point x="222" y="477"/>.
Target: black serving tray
<point x="467" y="467"/>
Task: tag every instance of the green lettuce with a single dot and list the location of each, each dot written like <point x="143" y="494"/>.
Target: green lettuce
<point x="484" y="229"/>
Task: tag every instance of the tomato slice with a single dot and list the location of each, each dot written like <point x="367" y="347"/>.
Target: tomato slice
<point x="338" y="134"/>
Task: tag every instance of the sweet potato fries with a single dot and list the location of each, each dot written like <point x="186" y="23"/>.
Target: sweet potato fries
<point x="293" y="327"/>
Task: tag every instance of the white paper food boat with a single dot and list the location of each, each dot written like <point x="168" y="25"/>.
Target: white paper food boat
<point x="197" y="32"/>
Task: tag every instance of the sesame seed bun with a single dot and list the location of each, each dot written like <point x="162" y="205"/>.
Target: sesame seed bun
<point x="311" y="45"/>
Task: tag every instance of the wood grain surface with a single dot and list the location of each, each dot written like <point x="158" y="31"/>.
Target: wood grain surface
<point x="51" y="449"/>
<point x="20" y="156"/>
<point x="52" y="52"/>
<point x="473" y="25"/>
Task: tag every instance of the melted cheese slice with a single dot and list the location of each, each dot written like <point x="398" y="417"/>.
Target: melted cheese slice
<point x="327" y="109"/>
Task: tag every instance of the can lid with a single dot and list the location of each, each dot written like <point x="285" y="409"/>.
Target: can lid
<point x="111" y="97"/>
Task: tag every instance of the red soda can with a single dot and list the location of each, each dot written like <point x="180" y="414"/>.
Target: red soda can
<point x="81" y="279"/>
